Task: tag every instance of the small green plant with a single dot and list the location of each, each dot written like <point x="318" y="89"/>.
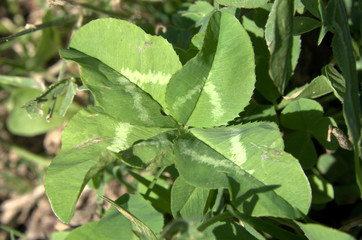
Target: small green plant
<point x="206" y="123"/>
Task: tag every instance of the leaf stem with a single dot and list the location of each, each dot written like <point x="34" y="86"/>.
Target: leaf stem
<point x="31" y="157"/>
<point x="217" y="218"/>
<point x="259" y="224"/>
<point x="152" y="184"/>
<point x="13" y="232"/>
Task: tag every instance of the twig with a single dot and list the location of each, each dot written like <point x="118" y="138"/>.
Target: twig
<point x="94" y="8"/>
<point x="59" y="21"/>
<point x="22" y="204"/>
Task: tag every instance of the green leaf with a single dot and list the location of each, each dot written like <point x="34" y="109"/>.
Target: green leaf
<point x="312" y="6"/>
<point x="298" y="6"/>
<point x="143" y="210"/>
<point x="318" y="87"/>
<point x="68" y="98"/>
<point x="338" y="168"/>
<point x="111" y="226"/>
<point x="279" y="37"/>
<point x="306" y="115"/>
<point x="187" y="200"/>
<point x="264" y="84"/>
<point x="315" y="231"/>
<point x="184" y="228"/>
<point x="79" y="160"/>
<point x="322" y="191"/>
<point x="254" y="113"/>
<point x="277" y="232"/>
<point x="109" y="87"/>
<point x="243" y="3"/>
<point x="336" y="80"/>
<point x="34" y="107"/>
<point x="301" y="114"/>
<point x="114" y="225"/>
<point x="199" y="12"/>
<point x="21" y="82"/>
<point x="152" y="153"/>
<point x="142" y="230"/>
<point x="198" y="40"/>
<point x="158" y="195"/>
<point x="321" y="132"/>
<point x="218" y="83"/>
<point x="303" y="25"/>
<point x="148" y="61"/>
<point x="19" y="121"/>
<point x="88" y="231"/>
<point x="295" y="52"/>
<point x="59" y="235"/>
<point x="300" y="145"/>
<point x="229" y="230"/>
<point x="343" y="52"/>
<point x="325" y="163"/>
<point x="85" y="153"/>
<point x="250" y="159"/>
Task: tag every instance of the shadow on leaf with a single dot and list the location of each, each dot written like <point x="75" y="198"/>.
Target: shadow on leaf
<point x="250" y="198"/>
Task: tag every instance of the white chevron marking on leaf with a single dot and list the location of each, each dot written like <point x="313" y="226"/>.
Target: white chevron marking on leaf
<point x="251" y="171"/>
<point x="145" y="78"/>
<point x="143" y="113"/>
<point x="119" y="142"/>
<point x="237" y="151"/>
<point x="206" y="159"/>
<point x="215" y="100"/>
<point x="187" y="96"/>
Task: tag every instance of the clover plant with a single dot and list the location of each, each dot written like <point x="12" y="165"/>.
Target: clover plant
<point x="211" y="159"/>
